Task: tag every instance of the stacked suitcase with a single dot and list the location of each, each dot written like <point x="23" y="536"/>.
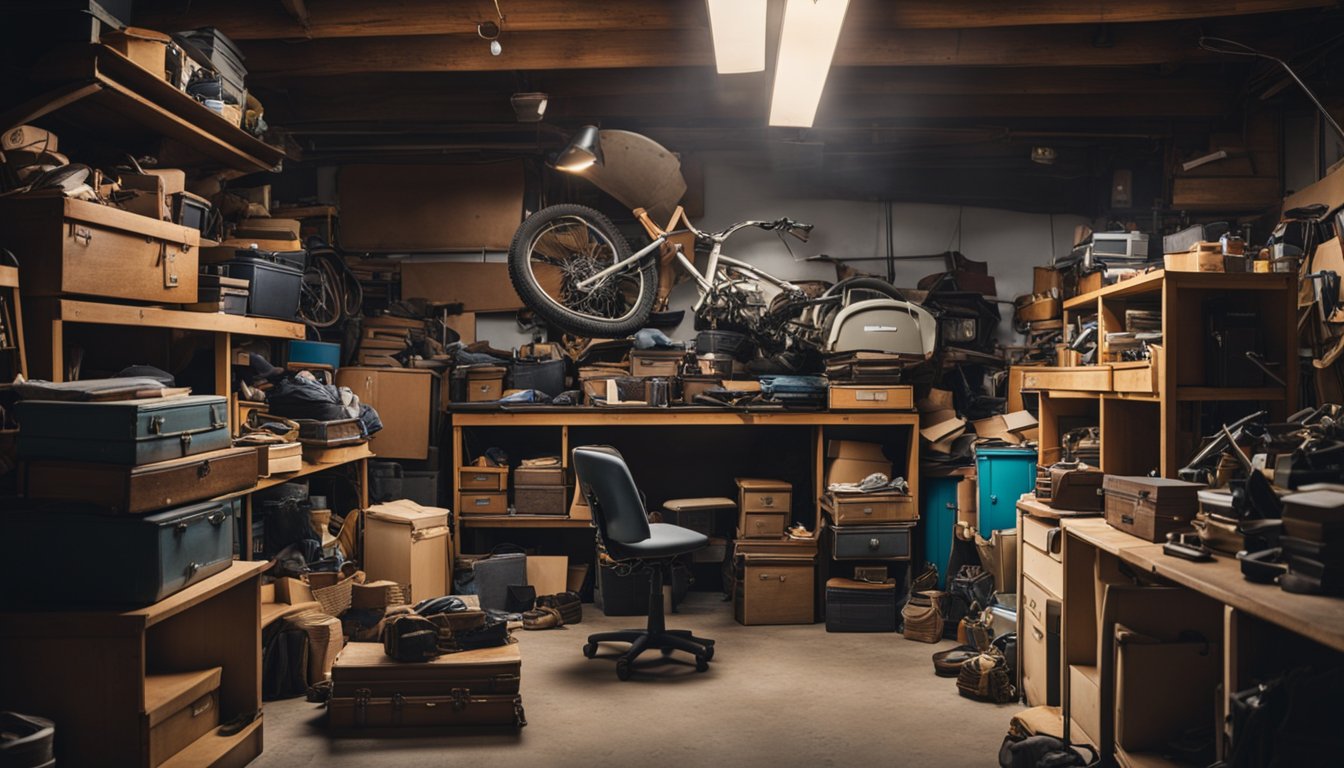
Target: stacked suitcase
<point x="774" y="576"/>
<point x="371" y="690"/>
<point x="1313" y="541"/>
<point x="124" y="483"/>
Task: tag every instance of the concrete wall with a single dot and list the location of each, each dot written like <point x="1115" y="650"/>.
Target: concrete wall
<point x="739" y="188"/>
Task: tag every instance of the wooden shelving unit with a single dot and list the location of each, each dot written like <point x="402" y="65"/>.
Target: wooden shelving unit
<point x="100" y="673"/>
<point x="1141" y="431"/>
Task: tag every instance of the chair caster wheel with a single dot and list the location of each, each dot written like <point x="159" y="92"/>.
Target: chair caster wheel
<point x="667" y="651"/>
<point x="623" y="669"/>
<point x="701" y="663"/>
<point x="709" y="653"/>
<point x="590" y="650"/>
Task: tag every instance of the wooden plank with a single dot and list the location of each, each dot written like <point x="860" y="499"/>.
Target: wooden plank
<point x="620" y="417"/>
<point x="1130" y="45"/>
<point x="359" y="18"/>
<point x="76" y="311"/>
<point x="1250" y="193"/>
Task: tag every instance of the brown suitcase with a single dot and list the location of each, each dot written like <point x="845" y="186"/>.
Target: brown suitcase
<point x="71" y="246"/>
<point x="774" y="589"/>
<point x="485" y="671"/>
<point x="456" y="707"/>
<point x="1075" y="489"/>
<point x="135" y="490"/>
<point x="1150" y="507"/>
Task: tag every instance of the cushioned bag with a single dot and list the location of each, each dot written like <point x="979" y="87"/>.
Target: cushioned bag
<point x="985" y="678"/>
<point x="568" y="603"/>
<point x="411" y="638"/>
<point x="923" y="617"/>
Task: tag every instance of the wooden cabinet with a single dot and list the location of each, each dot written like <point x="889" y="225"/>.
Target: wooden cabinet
<point x="402" y="398"/>
<point x="122" y="686"/>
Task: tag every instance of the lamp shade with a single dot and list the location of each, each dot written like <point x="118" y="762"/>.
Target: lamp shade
<point x="582" y="151"/>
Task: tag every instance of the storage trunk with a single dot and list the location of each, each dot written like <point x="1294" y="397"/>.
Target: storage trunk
<point x="655" y="362"/>
<point x="1150" y="507"/>
<point x="549" y="500"/>
<point x="410" y="545"/>
<point x="330" y="433"/>
<point x="136" y="490"/>
<point x="866" y="508"/>
<point x="871" y="542"/>
<point x="123" y="431"/>
<point x="71" y="246"/>
<point x="364" y="666"/>
<point x="153" y="556"/>
<point x="455" y="707"/>
<point x="860" y="606"/>
<point x="774" y="589"/>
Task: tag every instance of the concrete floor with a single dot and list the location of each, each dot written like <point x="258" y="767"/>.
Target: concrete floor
<point x="773" y="696"/>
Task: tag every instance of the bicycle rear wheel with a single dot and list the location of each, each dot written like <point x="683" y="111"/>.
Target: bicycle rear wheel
<point x="560" y="246"/>
<point x="320" y="303"/>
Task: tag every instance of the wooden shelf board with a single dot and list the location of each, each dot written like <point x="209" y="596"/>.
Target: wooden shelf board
<point x="97" y="86"/>
<point x="1153" y="282"/>
<point x="272" y="611"/>
<point x="604" y="417"/>
<point x="1098" y="533"/>
<point x="521" y="521"/>
<point x="170" y="690"/>
<point x="1210" y="394"/>
<point x="99" y="313"/>
<point x="1133" y="397"/>
<point x="213" y="749"/>
<point x="307" y="469"/>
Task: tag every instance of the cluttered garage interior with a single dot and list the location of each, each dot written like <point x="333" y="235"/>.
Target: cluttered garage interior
<point x="777" y="382"/>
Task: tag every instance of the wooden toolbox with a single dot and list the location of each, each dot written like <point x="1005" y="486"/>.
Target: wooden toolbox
<point x="763" y="507"/>
<point x="71" y="246"/>
<point x="1082" y="378"/>
<point x="855" y="397"/>
<point x="135" y="490"/>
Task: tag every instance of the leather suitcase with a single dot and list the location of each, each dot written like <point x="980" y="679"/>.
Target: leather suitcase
<point x="871" y="542"/>
<point x="112" y="558"/>
<point x="1076" y="490"/>
<point x="123" y="431"/>
<point x="860" y="606"/>
<point x="456" y="707"/>
<point x="485" y="671"/>
<point x="136" y="490"/>
<point x="1150" y="507"/>
<point x="330" y="433"/>
<point x="71" y="246"/>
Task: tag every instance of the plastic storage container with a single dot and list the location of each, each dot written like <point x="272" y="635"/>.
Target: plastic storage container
<point x="938" y="511"/>
<point x="1003" y="475"/>
<point x="273" y="287"/>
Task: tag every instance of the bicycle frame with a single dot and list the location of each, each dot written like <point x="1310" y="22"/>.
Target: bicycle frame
<point x="709" y="280"/>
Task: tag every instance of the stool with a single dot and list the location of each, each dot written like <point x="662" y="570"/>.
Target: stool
<point x="697" y="514"/>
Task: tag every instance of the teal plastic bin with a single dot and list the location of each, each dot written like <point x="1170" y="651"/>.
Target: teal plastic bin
<point x="938" y="514"/>
<point x="1003" y="474"/>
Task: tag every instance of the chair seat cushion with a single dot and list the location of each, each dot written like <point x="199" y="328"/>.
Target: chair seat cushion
<point x="664" y="541"/>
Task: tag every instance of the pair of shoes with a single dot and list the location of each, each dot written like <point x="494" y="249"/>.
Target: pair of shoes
<point x="543" y="618"/>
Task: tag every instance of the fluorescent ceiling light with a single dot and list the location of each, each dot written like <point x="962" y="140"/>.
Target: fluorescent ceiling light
<point x="738" y="28"/>
<point x="806" y="46"/>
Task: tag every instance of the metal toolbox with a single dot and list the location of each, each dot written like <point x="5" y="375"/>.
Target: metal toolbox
<point x="155" y="556"/>
<point x="123" y="431"/>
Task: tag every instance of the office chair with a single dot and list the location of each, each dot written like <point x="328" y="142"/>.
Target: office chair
<point x="624" y="531"/>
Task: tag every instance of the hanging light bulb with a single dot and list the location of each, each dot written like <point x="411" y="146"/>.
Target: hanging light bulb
<point x="495" y="48"/>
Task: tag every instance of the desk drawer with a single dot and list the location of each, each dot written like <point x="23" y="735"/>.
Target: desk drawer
<point x="1040" y="535"/>
<point x="1086" y="378"/>
<point x="774" y="496"/>
<point x="1043" y="569"/>
<point x="483" y="478"/>
<point x="762" y="525"/>
<point x="1039" y="637"/>
<point x="871" y="542"/>
<point x="483" y="504"/>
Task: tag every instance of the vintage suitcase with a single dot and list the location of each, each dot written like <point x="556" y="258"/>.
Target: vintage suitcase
<point x="656" y="362"/>
<point x="152" y="557"/>
<point x="364" y="666"/>
<point x="860" y="606"/>
<point x="774" y="589"/>
<point x="453" y="707"/>
<point x="871" y="542"/>
<point x="550" y="500"/>
<point x="870" y="508"/>
<point x="1075" y="489"/>
<point x="1150" y="507"/>
<point x="123" y="431"/>
<point x="71" y="246"/>
<point x="138" y="489"/>
<point x="330" y="433"/>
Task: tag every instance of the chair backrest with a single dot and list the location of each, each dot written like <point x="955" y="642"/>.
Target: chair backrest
<point x="605" y="481"/>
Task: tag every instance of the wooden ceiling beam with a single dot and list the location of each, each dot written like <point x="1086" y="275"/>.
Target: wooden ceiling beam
<point x="261" y="20"/>
<point x="1125" y="45"/>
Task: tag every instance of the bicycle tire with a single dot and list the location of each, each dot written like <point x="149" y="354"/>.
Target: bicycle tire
<point x="319" y="304"/>
<point x="559" y="314"/>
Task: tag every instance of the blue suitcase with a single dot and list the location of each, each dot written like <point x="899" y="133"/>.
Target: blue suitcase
<point x="132" y="432"/>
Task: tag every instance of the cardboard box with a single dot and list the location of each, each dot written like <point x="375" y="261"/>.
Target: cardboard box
<point x="1162" y="688"/>
<point x="145" y="48"/>
<point x="1047" y="280"/>
<point x="548" y="574"/>
<point x="410" y="545"/>
<point x="1195" y="261"/>
<point x="946" y="429"/>
<point x="1009" y="427"/>
<point x="851" y="461"/>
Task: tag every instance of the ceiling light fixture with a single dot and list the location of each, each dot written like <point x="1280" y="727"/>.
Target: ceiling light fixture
<point x="806" y="47"/>
<point x="529" y="107"/>
<point x="1043" y="155"/>
<point x="582" y="151"/>
<point x="738" y="29"/>
<point x="489" y="30"/>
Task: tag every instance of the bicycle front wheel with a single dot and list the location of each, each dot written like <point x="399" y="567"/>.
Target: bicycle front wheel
<point x="559" y="247"/>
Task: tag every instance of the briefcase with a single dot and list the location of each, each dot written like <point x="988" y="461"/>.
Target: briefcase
<point x="123" y="431"/>
<point x="112" y="558"/>
<point x="455" y="707"/>
<point x="1149" y="507"/>
<point x="135" y="490"/>
<point x="859" y="606"/>
<point x="1075" y="489"/>
<point x="485" y="671"/>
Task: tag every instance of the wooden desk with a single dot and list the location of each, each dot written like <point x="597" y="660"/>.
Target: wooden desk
<point x="555" y="428"/>
<point x="99" y="673"/>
